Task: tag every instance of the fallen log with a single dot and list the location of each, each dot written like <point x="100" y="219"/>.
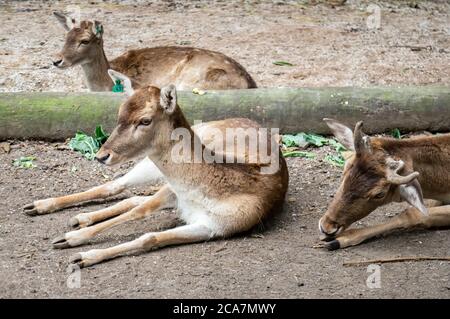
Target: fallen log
<point x="56" y="116"/>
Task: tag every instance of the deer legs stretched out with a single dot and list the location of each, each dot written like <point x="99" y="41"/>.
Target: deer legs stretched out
<point x="180" y="235"/>
<point x="162" y="199"/>
<point x="145" y="172"/>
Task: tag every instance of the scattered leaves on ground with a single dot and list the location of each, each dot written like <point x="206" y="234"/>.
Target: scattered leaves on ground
<point x="299" y="154"/>
<point x="336" y="160"/>
<point x="24" y="162"/>
<point x="292" y="144"/>
<point x="88" y="145"/>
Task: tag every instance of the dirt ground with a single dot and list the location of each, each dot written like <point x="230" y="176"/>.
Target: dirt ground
<point x="274" y="261"/>
<point x="328" y="47"/>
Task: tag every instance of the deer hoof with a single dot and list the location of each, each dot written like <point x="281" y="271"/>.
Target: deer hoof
<point x="80" y="221"/>
<point x="40" y="207"/>
<point x="74" y="223"/>
<point x="60" y="242"/>
<point x="333" y="244"/>
<point x="30" y="210"/>
<point x="85" y="259"/>
<point x="76" y="260"/>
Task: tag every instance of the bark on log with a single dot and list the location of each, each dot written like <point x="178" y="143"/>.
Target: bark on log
<point x="56" y="116"/>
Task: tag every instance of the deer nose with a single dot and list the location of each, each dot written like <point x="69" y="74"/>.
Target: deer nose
<point x="103" y="158"/>
<point x="57" y="62"/>
<point x="328" y="234"/>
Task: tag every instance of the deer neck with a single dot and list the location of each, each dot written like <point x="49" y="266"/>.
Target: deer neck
<point x="96" y="72"/>
<point x="165" y="156"/>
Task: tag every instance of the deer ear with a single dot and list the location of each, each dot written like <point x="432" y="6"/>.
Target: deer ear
<point x="168" y="98"/>
<point x="67" y="22"/>
<point x="342" y="133"/>
<point x="97" y="29"/>
<point x="121" y="79"/>
<point x="412" y="193"/>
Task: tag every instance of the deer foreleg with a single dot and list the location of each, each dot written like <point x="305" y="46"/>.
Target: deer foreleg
<point x="164" y="198"/>
<point x="144" y="172"/>
<point x="87" y="219"/>
<point x="409" y="219"/>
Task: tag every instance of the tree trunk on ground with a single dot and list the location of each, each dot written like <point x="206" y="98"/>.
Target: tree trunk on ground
<point x="56" y="116"/>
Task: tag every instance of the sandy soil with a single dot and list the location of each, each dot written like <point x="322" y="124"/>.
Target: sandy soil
<point x="329" y="46"/>
<point x="277" y="260"/>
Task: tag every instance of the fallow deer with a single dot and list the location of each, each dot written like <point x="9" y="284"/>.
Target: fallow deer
<point x="186" y="67"/>
<point x="381" y="170"/>
<point x="215" y="198"/>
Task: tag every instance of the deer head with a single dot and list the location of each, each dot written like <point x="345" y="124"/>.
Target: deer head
<point x="372" y="177"/>
<point x="84" y="41"/>
<point x="145" y="123"/>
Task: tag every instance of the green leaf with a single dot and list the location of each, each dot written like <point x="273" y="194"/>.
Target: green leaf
<point x="25" y="162"/>
<point x="304" y="139"/>
<point x="337" y="146"/>
<point x="290" y="142"/>
<point x="298" y="140"/>
<point x="316" y="140"/>
<point x="396" y="133"/>
<point x="100" y="135"/>
<point x="283" y="63"/>
<point x="88" y="145"/>
<point x="299" y="154"/>
<point x="336" y="160"/>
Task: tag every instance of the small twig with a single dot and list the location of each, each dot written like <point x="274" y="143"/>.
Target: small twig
<point x="223" y="247"/>
<point x="414" y="47"/>
<point x="393" y="260"/>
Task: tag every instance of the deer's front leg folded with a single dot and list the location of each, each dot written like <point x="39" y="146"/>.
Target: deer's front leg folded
<point x="409" y="219"/>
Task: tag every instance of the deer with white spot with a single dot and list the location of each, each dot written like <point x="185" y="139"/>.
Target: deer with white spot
<point x="215" y="199"/>
<point x="381" y="170"/>
<point x="185" y="67"/>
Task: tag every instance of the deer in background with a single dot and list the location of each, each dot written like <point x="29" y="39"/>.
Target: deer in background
<point x="185" y="67"/>
<point x="214" y="199"/>
<point x="382" y="170"/>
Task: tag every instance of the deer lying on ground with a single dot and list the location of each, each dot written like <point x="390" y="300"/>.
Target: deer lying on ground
<point x="215" y="199"/>
<point x="382" y="170"/>
<point x="185" y="67"/>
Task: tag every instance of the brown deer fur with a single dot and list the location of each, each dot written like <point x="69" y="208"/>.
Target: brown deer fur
<point x="214" y="199"/>
<point x="369" y="181"/>
<point x="185" y="67"/>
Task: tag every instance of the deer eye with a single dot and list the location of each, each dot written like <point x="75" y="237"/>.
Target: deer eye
<point x="380" y="195"/>
<point x="145" y="122"/>
<point x="84" y="42"/>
